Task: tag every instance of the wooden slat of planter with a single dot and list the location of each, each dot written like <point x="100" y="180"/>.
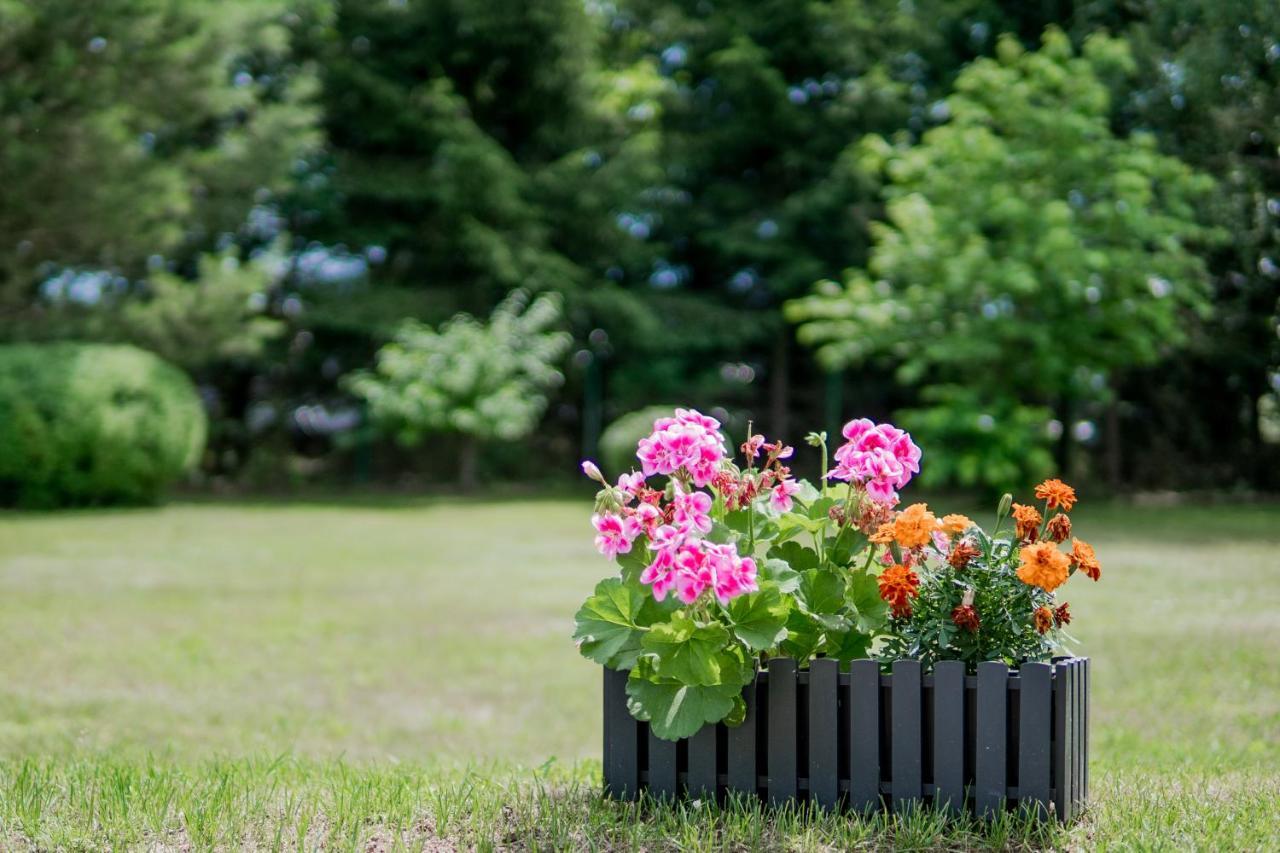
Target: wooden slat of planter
<point x="1077" y="685"/>
<point x="948" y="735"/>
<point x="1035" y="706"/>
<point x="824" y="758"/>
<point x="782" y="730"/>
<point x="907" y="730"/>
<point x="864" y="735"/>
<point x="664" y="781"/>
<point x="741" y="747"/>
<point x="1062" y="739"/>
<point x="701" y="780"/>
<point x="622" y="739"/>
<point x="1084" y="745"/>
<point x="992" y="739"/>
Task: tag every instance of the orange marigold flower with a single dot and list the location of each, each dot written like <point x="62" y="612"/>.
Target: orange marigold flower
<point x="1059" y="529"/>
<point x="1043" y="565"/>
<point x="954" y="524"/>
<point x="1043" y="618"/>
<point x="1062" y="614"/>
<point x="883" y="534"/>
<point x="962" y="554"/>
<point x="1028" y="519"/>
<point x="966" y="617"/>
<point x="898" y="585"/>
<point x="914" y="526"/>
<point x="1057" y="494"/>
<point x="1083" y="558"/>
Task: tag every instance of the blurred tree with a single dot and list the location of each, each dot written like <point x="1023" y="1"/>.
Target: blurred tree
<point x="1208" y="87"/>
<point x="1029" y="254"/>
<point x="135" y="128"/>
<point x="479" y="381"/>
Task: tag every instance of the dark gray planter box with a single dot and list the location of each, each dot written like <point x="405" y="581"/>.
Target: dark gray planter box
<point x="857" y="739"/>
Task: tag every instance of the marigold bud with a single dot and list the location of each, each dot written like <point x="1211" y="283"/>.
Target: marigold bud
<point x="1059" y="529"/>
<point x="1043" y="617"/>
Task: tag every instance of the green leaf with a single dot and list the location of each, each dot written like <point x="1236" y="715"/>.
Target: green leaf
<point x="817" y="510"/>
<point x="632" y="564"/>
<point x="738" y="713"/>
<point x="848" y="543"/>
<point x="675" y="710"/>
<point x="797" y="556"/>
<point x="847" y="645"/>
<point x="606" y="626"/>
<point x="863" y="592"/>
<point x="760" y="618"/>
<point x="786" y="579"/>
<point x="804" y="636"/>
<point x="687" y="651"/>
<point x="821" y="592"/>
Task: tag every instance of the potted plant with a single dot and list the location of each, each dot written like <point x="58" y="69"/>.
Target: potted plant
<point x="814" y="642"/>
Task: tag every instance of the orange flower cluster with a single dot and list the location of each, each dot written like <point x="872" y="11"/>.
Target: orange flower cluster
<point x="1028" y="521"/>
<point x="1055" y="494"/>
<point x="966" y="617"/>
<point x="1084" y="559"/>
<point x="898" y="585"/>
<point x="1062" y="614"/>
<point x="955" y="524"/>
<point x="1043" y="565"/>
<point x="1043" y="618"/>
<point x="1059" y="529"/>
<point x="911" y="528"/>
<point x="961" y="555"/>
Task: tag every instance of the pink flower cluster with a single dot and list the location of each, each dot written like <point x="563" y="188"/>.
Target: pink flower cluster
<point x="879" y="457"/>
<point x="690" y="440"/>
<point x="689" y="565"/>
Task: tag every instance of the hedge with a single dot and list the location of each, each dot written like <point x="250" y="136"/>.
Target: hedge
<point x="93" y="424"/>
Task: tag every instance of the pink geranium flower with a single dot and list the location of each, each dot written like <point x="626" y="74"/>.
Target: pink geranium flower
<point x="879" y="457"/>
<point x="780" y="495"/>
<point x="692" y="509"/>
<point x="614" y="533"/>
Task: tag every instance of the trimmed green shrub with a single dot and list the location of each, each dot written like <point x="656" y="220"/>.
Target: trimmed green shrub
<point x="92" y="424"/>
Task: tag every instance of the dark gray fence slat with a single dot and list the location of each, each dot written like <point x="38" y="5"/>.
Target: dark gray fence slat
<point x="741" y="748"/>
<point x="1061" y="750"/>
<point x="782" y="730"/>
<point x="992" y="742"/>
<point x="864" y="735"/>
<point x="663" y="778"/>
<point x="907" y="730"/>
<point x="1077" y="687"/>
<point x="824" y="759"/>
<point x="622" y="735"/>
<point x="948" y="735"/>
<point x="1035" y="708"/>
<point x="1084" y="743"/>
<point x="701" y="780"/>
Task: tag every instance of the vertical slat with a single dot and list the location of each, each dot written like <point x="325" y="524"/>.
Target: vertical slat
<point x="622" y="764"/>
<point x="1061" y="753"/>
<point x="741" y="747"/>
<point x="948" y="734"/>
<point x="701" y="780"/>
<point x="1084" y="741"/>
<point x="864" y="735"/>
<point x="907" y="731"/>
<point x="1035" y="708"/>
<point x="990" y="751"/>
<point x="663" y="779"/>
<point x="824" y="761"/>
<point x="782" y="730"/>
<point x="1077" y="686"/>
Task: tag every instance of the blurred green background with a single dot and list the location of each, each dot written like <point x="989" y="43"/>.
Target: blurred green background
<point x="1045" y="237"/>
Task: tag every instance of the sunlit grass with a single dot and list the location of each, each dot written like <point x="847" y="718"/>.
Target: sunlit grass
<point x="390" y="676"/>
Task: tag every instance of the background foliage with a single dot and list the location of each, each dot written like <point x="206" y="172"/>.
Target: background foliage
<point x="262" y="192"/>
<point x="93" y="424"/>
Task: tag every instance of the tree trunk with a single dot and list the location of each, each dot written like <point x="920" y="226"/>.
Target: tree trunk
<point x="468" y="461"/>
<point x="779" y="388"/>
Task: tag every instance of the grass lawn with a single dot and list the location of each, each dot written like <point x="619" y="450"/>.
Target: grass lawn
<point x="378" y="675"/>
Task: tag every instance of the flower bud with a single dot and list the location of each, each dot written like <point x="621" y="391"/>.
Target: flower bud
<point x="589" y="468"/>
<point x="1005" y="503"/>
<point x="968" y="598"/>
